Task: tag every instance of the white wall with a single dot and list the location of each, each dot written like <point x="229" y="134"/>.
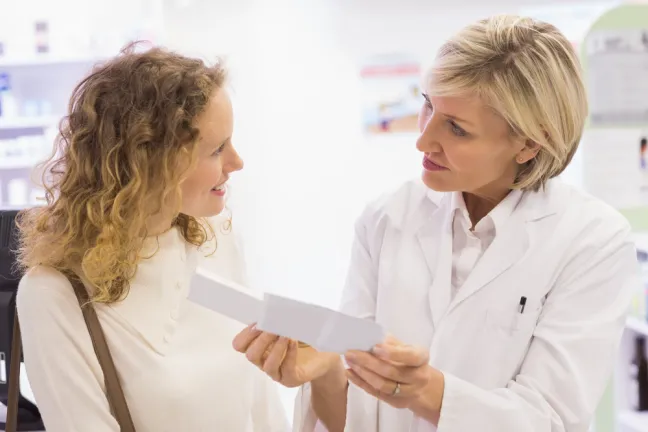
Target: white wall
<point x="309" y="170"/>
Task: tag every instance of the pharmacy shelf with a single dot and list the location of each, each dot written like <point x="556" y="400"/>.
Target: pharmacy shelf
<point x="18" y="123"/>
<point x="637" y="325"/>
<point x="634" y="421"/>
<point x="47" y="60"/>
<point x="8" y="163"/>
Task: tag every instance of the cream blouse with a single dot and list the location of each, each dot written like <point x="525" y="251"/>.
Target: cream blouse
<point x="175" y="358"/>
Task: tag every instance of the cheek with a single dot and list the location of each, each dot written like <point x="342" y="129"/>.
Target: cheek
<point x="210" y="171"/>
<point x="206" y="175"/>
<point x="474" y="159"/>
<point x="465" y="155"/>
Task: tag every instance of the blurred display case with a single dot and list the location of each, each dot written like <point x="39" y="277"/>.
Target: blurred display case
<point x="46" y="48"/>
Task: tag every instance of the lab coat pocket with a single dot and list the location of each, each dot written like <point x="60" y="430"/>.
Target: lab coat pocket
<point x="507" y="336"/>
<point x="512" y="322"/>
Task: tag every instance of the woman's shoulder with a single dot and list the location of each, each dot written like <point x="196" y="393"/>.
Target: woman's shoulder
<point x="577" y="204"/>
<point x="582" y="223"/>
<point x="43" y="285"/>
<point x="401" y="204"/>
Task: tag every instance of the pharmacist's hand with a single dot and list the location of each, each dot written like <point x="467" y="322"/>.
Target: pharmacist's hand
<point x="400" y="375"/>
<point x="284" y="360"/>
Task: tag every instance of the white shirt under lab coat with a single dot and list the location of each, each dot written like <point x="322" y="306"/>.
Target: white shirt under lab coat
<point x="469" y="243"/>
<point x="177" y="366"/>
<point x="543" y="370"/>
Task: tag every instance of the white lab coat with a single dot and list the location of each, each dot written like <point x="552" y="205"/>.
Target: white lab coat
<point x="542" y="370"/>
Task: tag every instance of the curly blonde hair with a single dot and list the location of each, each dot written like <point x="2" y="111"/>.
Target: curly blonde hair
<point x="123" y="150"/>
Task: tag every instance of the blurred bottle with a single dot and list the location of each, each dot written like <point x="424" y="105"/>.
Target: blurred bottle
<point x="8" y="105"/>
<point x="639" y="377"/>
<point x="42" y="37"/>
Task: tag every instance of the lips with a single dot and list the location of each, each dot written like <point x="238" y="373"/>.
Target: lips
<point x="434" y="163"/>
<point x="220" y="187"/>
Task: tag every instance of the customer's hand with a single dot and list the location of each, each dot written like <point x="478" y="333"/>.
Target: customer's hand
<point x="284" y="360"/>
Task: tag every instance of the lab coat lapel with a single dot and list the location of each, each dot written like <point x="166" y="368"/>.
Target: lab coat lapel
<point x="435" y="240"/>
<point x="507" y="248"/>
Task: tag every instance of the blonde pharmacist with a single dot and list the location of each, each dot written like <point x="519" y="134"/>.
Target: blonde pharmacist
<point x="505" y="290"/>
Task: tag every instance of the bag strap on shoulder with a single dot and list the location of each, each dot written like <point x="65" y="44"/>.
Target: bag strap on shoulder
<point x="114" y="391"/>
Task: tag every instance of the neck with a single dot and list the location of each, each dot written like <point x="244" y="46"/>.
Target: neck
<point x="158" y="225"/>
<point x="479" y="204"/>
<point x="481" y="201"/>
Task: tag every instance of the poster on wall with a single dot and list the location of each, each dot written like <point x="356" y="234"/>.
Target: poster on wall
<point x="391" y="94"/>
<point x="617" y="78"/>
<point x="573" y="19"/>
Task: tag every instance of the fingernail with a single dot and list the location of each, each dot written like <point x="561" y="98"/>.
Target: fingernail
<point x="350" y="357"/>
<point x="379" y="351"/>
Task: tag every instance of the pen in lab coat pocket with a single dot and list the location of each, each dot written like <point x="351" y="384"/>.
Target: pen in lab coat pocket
<point x="522" y="304"/>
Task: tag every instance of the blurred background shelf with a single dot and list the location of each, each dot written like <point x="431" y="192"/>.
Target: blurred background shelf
<point x="46" y="60"/>
<point x="18" y="123"/>
<point x="26" y="162"/>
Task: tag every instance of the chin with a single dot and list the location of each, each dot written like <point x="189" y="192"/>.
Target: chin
<point x="436" y="183"/>
<point x="214" y="212"/>
<point x="205" y="212"/>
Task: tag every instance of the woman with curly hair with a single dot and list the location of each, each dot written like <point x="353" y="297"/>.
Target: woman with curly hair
<point x="143" y="158"/>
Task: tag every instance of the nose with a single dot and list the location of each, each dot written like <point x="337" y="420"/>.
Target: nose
<point x="427" y="141"/>
<point x="235" y="162"/>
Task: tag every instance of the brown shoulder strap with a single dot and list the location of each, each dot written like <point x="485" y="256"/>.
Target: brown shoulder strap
<point x="114" y="391"/>
<point x="14" y="377"/>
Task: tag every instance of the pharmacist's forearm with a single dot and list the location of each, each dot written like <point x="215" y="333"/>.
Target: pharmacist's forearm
<point x="329" y="398"/>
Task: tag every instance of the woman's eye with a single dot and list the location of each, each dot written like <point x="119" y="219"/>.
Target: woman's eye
<point x="428" y="104"/>
<point x="456" y="129"/>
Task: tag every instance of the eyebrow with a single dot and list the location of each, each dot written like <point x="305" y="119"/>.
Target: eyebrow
<point x="453" y="117"/>
<point x="459" y="119"/>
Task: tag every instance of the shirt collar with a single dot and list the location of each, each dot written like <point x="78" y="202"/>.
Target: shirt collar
<point x="501" y="213"/>
<point x="158" y="288"/>
<point x="494" y="220"/>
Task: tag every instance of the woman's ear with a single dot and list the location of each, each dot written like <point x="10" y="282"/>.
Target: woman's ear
<point x="528" y="152"/>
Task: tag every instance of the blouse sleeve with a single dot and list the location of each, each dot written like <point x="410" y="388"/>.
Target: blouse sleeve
<point x="62" y="367"/>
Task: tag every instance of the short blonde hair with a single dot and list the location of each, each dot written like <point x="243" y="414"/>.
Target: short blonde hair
<point x="529" y="73"/>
